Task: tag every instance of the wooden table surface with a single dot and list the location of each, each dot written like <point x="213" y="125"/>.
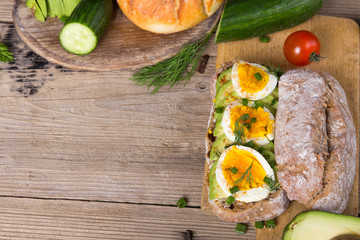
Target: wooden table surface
<point x="90" y="155"/>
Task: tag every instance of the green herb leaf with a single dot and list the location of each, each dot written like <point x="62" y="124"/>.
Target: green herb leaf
<point x="250" y="144"/>
<point x="240" y="228"/>
<point x="230" y="200"/>
<point x="257" y="104"/>
<point x="5" y="55"/>
<point x="247" y="125"/>
<point x="181" y="203"/>
<point x="219" y="110"/>
<point x="273" y="185"/>
<point x="253" y="120"/>
<point x="270" y="223"/>
<point x="239" y="132"/>
<point x="278" y="71"/>
<point x="264" y="39"/>
<point x="173" y="70"/>
<point x="273" y="102"/>
<point x="245" y="117"/>
<point x="244" y="101"/>
<point x="246" y="174"/>
<point x="258" y="76"/>
<point x="234" y="170"/>
<point x="259" y="225"/>
<point x="234" y="189"/>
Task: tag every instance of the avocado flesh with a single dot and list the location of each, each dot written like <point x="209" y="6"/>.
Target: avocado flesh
<point x="218" y="147"/>
<point x="223" y="78"/>
<point x="215" y="191"/>
<point x="218" y="130"/>
<point x="316" y="225"/>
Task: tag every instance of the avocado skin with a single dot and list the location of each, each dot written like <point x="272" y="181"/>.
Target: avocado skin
<point x="321" y="226"/>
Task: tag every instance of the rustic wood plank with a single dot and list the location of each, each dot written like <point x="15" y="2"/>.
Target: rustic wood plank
<point x="49" y="219"/>
<point x="6" y="8"/>
<point x="98" y="136"/>
<point x="345" y="9"/>
<point x="342" y="62"/>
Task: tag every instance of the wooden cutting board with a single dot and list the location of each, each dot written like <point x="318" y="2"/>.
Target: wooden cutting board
<point x="123" y="46"/>
<point x="340" y="45"/>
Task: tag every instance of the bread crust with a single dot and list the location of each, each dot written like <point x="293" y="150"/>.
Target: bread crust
<point x="168" y="16"/>
<point x="271" y="207"/>
<point x="315" y="140"/>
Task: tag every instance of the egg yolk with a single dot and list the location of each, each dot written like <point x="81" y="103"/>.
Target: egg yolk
<point x="250" y="171"/>
<point x="261" y="126"/>
<point x="248" y="81"/>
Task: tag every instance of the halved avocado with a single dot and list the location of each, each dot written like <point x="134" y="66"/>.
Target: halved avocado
<point x="316" y="225"/>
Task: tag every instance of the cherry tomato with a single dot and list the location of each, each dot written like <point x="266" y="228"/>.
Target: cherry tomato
<point x="301" y="48"/>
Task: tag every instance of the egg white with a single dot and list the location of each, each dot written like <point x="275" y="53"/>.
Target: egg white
<point x="270" y="86"/>
<point x="226" y="125"/>
<point x="251" y="195"/>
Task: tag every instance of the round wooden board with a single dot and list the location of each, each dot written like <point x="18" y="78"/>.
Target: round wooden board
<point x="123" y="46"/>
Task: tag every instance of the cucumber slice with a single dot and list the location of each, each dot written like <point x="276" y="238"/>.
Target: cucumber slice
<point x="77" y="38"/>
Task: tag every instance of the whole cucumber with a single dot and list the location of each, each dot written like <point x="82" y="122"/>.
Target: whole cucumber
<point x="242" y="19"/>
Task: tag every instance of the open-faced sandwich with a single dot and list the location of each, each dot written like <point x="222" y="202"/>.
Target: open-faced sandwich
<point x="269" y="138"/>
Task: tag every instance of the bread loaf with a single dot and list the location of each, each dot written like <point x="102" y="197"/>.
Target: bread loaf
<point x="315" y="143"/>
<point x="168" y="16"/>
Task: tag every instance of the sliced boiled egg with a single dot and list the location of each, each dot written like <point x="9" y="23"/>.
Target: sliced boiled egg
<point x="252" y="81"/>
<point x="245" y="168"/>
<point x="259" y="127"/>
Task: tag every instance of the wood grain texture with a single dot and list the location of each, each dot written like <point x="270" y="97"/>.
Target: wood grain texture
<point x="123" y="46"/>
<point x="49" y="219"/>
<point x="96" y="135"/>
<point x="342" y="61"/>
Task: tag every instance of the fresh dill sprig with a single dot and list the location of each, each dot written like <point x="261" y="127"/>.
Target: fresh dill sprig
<point x="239" y="130"/>
<point x="247" y="174"/>
<point x="175" y="69"/>
<point x="5" y="55"/>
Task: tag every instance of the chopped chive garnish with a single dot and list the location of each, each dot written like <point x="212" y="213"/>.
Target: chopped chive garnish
<point x="272" y="163"/>
<point x="273" y="102"/>
<point x="234" y="189"/>
<point x="264" y="39"/>
<point x="240" y="228"/>
<point x="270" y="223"/>
<point x="273" y="185"/>
<point x="245" y="101"/>
<point x="247" y="125"/>
<point x="181" y="203"/>
<point x="219" y="110"/>
<point x="259" y="225"/>
<point x="234" y="170"/>
<point x="244" y="117"/>
<point x="253" y="120"/>
<point x="230" y="200"/>
<point x="258" y="76"/>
